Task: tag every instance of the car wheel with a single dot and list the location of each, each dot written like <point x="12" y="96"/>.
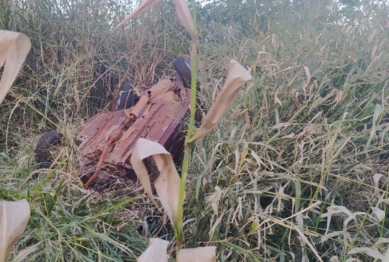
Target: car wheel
<point x="126" y="97"/>
<point x="182" y="65"/>
<point x="42" y="150"/>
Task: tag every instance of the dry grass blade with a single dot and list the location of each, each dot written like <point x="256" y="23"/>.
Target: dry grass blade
<point x="386" y="258"/>
<point x="157" y="251"/>
<point x="204" y="254"/>
<point x="368" y="251"/>
<point x="336" y="210"/>
<point x="306" y="69"/>
<point x="23" y="255"/>
<point x="237" y="76"/>
<point x="13" y="220"/>
<point x="141" y="9"/>
<point x="14" y="48"/>
<point x="168" y="182"/>
<point x="305" y="240"/>
<point x="184" y="15"/>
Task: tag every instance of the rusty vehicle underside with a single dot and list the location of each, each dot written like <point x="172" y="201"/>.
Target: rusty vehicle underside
<point x="105" y="143"/>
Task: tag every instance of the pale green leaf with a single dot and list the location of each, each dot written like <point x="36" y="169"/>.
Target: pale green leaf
<point x="200" y="254"/>
<point x="237" y="76"/>
<point x="14" y="216"/>
<point x="14" y="48"/>
<point x="168" y="182"/>
<point x="156" y="252"/>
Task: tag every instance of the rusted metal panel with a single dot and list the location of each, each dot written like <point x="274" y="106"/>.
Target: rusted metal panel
<point x="95" y="133"/>
<point x="158" y="120"/>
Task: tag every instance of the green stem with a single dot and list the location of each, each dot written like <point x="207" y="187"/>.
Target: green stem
<point x="180" y="210"/>
<point x="193" y="88"/>
<point x="185" y="163"/>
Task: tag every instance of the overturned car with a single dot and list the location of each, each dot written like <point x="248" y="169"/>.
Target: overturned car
<point x="105" y="143"/>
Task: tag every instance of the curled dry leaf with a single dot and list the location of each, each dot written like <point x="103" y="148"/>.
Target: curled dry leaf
<point x="157" y="251"/>
<point x="203" y="254"/>
<point x="376" y="179"/>
<point x="237" y="76"/>
<point x="380" y="214"/>
<point x="168" y="182"/>
<point x="214" y="199"/>
<point x="276" y="99"/>
<point x="306" y="69"/>
<point x="141" y="9"/>
<point x="13" y="220"/>
<point x="14" y="48"/>
<point x="184" y="15"/>
<point x="336" y="210"/>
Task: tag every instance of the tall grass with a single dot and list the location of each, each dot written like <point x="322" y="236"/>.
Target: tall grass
<point x="296" y="170"/>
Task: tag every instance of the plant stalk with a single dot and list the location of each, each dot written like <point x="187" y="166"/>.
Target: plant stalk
<point x="188" y="147"/>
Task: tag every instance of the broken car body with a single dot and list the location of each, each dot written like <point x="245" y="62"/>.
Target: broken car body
<point x="105" y="143"/>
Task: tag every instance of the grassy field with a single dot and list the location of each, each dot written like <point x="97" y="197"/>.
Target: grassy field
<point x="296" y="171"/>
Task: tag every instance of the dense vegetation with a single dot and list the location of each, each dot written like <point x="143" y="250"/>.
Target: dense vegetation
<point x="297" y="169"/>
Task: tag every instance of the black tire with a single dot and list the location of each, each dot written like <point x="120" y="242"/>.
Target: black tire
<point x="126" y="97"/>
<point x="182" y="64"/>
<point x="42" y="150"/>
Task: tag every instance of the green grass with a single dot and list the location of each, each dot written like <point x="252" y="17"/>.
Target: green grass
<point x="308" y="136"/>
